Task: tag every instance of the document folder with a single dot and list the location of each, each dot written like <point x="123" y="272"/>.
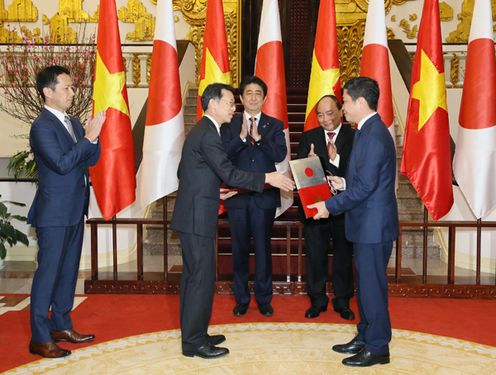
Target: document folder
<point x="310" y="181"/>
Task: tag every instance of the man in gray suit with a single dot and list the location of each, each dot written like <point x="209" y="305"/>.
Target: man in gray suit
<point x="204" y="165"/>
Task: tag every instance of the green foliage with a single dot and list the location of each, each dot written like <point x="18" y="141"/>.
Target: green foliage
<point x="22" y="164"/>
<point x="8" y="234"/>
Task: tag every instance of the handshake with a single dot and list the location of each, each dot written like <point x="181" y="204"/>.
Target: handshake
<point x="279" y="180"/>
<point x="275" y="179"/>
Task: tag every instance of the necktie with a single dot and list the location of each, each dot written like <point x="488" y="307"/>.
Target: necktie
<point x="69" y="128"/>
<point x="253" y="123"/>
<point x="330" y="135"/>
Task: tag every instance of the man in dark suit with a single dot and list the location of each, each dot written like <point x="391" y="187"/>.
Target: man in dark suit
<point x="204" y="165"/>
<point x="254" y="142"/>
<point x="62" y="150"/>
<point x="371" y="219"/>
<point x="331" y="143"/>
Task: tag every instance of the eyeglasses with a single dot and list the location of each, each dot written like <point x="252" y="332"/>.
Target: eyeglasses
<point x="230" y="103"/>
<point x="329" y="182"/>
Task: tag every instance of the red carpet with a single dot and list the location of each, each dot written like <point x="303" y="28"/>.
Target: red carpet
<point x="116" y="316"/>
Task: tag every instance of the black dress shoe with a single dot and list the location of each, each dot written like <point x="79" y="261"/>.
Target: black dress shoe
<point x="314" y="311"/>
<point x="342" y="308"/>
<point x="240" y="309"/>
<point x="353" y="347"/>
<point x="347" y="313"/>
<point x="206" y="351"/>
<point x="266" y="309"/>
<point x="215" y="339"/>
<point x="366" y="358"/>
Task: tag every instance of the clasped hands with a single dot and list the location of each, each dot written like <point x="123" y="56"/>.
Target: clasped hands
<point x="244" y="131"/>
<point x="333" y="151"/>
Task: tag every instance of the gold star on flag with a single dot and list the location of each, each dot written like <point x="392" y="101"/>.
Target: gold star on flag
<point x="429" y="90"/>
<point x="213" y="73"/>
<point x="108" y="88"/>
<point x="321" y="83"/>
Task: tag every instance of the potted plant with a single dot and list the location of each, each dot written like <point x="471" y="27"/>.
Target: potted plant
<point x="8" y="234"/>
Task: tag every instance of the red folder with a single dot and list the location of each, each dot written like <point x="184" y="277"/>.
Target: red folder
<point x="311" y="182"/>
<point x="312" y="194"/>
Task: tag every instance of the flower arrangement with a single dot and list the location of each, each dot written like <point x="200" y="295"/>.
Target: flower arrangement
<point x="20" y="99"/>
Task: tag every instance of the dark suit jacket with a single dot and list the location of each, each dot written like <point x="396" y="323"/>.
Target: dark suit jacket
<point x="343" y="141"/>
<point x="204" y="165"/>
<point x="260" y="157"/>
<point x="369" y="201"/>
<point x="62" y="194"/>
<point x="317" y="136"/>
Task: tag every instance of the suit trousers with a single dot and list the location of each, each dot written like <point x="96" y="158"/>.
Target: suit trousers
<point x="197" y="288"/>
<point x="54" y="282"/>
<point x="374" y="327"/>
<point x="317" y="234"/>
<point x="256" y="222"/>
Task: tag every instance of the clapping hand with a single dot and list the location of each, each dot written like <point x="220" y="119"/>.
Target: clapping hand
<point x="312" y="151"/>
<point x="94" y="126"/>
<point x="244" y="130"/>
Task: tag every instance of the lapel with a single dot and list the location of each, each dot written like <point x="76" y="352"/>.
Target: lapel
<point x="320" y="142"/>
<point x="264" y="125"/>
<point x="210" y="126"/>
<point x="59" y="127"/>
<point x="340" y="139"/>
<point x="361" y="135"/>
<point x="76" y="128"/>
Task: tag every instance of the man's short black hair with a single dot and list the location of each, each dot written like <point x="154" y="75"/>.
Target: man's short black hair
<point x="48" y="77"/>
<point x="213" y="91"/>
<point x="252" y="79"/>
<point x="333" y="98"/>
<point x="364" y="87"/>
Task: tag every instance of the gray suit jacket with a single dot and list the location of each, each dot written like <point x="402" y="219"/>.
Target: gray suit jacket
<point x="204" y="165"/>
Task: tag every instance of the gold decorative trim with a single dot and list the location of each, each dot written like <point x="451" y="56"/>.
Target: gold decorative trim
<point x="445" y="11"/>
<point x="194" y="13"/>
<point x="454" y="70"/>
<point x="350" y="49"/>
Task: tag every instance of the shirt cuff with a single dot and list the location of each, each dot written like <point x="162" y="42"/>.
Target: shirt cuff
<point x="335" y="162"/>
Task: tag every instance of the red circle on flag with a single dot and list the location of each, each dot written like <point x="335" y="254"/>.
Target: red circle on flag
<point x="309" y="172"/>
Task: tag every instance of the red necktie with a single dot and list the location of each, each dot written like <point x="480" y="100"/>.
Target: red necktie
<point x="253" y="123"/>
<point x="330" y="135"/>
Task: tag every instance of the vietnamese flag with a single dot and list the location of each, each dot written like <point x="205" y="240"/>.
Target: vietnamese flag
<point x="164" y="126"/>
<point x="474" y="164"/>
<point x="324" y="76"/>
<point x="113" y="178"/>
<point x="215" y="58"/>
<point x="269" y="66"/>
<point x="426" y="148"/>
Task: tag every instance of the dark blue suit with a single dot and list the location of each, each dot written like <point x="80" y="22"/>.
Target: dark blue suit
<point x="252" y="214"/>
<point x="57" y="212"/>
<point x="371" y="223"/>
